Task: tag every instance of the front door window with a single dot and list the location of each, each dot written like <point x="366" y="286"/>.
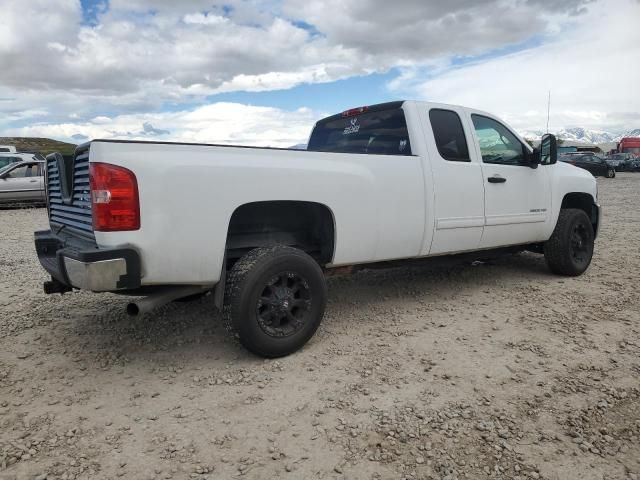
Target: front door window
<point x="497" y="144"/>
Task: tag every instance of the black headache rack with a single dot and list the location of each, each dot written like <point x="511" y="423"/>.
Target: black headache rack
<point x="69" y="193"/>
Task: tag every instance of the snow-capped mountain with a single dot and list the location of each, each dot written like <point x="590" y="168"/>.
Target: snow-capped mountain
<point x="632" y="133"/>
<point x="299" y="146"/>
<point x="583" y="135"/>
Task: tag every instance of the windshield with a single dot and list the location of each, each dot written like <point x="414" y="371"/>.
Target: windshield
<point x="382" y="132"/>
<point x="5" y="168"/>
<point x="4" y="161"/>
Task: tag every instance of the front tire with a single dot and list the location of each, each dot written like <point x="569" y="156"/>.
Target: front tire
<point x="274" y="300"/>
<point x="611" y="173"/>
<point x="570" y="248"/>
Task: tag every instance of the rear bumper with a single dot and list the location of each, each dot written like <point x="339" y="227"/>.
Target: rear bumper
<point x="81" y="264"/>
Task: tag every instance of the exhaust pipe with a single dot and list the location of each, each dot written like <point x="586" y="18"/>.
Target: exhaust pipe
<point x="162" y="297"/>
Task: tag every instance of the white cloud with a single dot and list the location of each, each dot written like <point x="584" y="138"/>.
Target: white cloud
<point x="140" y="55"/>
<point x="224" y="123"/>
<point x="192" y="47"/>
<point x="203" y="19"/>
<point x="592" y="71"/>
<point x="421" y="31"/>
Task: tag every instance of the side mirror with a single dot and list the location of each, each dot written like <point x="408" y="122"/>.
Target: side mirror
<point x="548" y="150"/>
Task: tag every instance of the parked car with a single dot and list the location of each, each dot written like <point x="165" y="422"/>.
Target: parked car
<point x="613" y="162"/>
<point x="260" y="226"/>
<point x="626" y="161"/>
<point x="632" y="165"/>
<point x="594" y="164"/>
<point x="22" y="182"/>
<point x="7" y="149"/>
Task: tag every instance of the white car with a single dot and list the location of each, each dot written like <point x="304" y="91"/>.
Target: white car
<point x="261" y="226"/>
<point x="22" y="181"/>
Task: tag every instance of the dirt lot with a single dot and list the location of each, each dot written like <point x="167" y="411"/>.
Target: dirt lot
<point x="498" y="370"/>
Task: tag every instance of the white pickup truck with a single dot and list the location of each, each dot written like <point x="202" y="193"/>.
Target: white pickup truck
<point x="262" y="226"/>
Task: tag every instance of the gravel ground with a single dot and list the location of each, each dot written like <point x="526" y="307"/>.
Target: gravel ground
<point x="497" y="370"/>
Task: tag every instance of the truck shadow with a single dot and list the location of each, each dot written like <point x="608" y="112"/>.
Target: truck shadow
<point x="434" y="283"/>
<point x="193" y="333"/>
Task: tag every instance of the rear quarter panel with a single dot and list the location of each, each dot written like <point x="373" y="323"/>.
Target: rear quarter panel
<point x="189" y="192"/>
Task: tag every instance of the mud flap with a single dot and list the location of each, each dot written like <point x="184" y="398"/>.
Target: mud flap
<point x="218" y="293"/>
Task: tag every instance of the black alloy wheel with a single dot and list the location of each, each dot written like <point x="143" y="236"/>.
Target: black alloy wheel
<point x="284" y="305"/>
<point x="581" y="249"/>
<point x="274" y="300"/>
<point x="570" y="248"/>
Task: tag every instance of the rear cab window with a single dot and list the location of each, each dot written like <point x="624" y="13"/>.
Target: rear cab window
<point x="378" y="130"/>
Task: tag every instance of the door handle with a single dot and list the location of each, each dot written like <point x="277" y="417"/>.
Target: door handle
<point x="496" y="179"/>
<point x="33" y="181"/>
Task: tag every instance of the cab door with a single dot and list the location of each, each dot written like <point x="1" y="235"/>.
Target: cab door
<point x="458" y="192"/>
<point x="517" y="197"/>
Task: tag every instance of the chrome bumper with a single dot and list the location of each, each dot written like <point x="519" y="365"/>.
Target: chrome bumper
<point x="100" y="276"/>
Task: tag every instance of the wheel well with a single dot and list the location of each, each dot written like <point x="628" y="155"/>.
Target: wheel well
<point x="308" y="226"/>
<point x="582" y="201"/>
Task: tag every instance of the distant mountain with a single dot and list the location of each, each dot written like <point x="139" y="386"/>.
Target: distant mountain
<point x="45" y="146"/>
<point x="576" y="134"/>
<point x="632" y="133"/>
<point x="583" y="135"/>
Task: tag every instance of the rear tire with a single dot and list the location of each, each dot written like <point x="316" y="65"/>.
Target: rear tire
<point x="570" y="248"/>
<point x="274" y="300"/>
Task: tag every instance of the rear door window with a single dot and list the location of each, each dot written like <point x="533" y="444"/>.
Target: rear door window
<point x="379" y="132"/>
<point x="449" y="135"/>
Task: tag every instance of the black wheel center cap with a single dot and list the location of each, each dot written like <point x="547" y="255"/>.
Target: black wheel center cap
<point x="284" y="305"/>
<point x="283" y="299"/>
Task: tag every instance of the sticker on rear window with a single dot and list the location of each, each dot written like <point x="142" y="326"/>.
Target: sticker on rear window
<point x="353" y="128"/>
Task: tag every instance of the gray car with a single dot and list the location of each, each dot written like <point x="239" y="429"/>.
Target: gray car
<point x="22" y="182"/>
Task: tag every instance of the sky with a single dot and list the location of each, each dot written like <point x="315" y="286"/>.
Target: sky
<point x="261" y="72"/>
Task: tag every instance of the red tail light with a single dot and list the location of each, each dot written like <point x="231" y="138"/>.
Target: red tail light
<point x="114" y="198"/>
